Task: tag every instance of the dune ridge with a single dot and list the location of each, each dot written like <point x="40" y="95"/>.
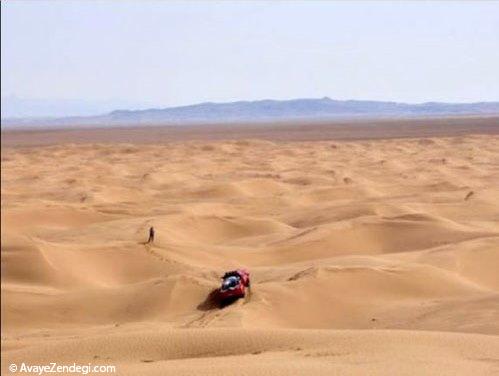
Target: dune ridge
<point x="367" y="256"/>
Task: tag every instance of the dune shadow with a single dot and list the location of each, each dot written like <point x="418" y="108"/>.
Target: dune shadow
<point x="211" y="302"/>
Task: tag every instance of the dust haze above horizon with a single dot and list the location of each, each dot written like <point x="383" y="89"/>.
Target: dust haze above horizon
<point x="302" y="109"/>
<point x="90" y="58"/>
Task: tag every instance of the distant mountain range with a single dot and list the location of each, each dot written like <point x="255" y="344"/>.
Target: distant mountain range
<point x="270" y="110"/>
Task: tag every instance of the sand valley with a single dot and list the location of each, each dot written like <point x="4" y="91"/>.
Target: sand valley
<point x="366" y="256"/>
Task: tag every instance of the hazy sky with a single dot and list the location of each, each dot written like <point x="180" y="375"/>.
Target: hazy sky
<point x="174" y="53"/>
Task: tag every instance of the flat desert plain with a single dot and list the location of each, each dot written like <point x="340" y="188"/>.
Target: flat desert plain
<point x="367" y="257"/>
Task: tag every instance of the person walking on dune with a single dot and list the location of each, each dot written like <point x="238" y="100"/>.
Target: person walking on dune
<point x="151" y="235"/>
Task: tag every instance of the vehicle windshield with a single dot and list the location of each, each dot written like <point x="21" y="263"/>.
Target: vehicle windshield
<point x="230" y="282"/>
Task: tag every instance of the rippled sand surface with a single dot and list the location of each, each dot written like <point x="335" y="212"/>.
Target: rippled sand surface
<point x="366" y="257"/>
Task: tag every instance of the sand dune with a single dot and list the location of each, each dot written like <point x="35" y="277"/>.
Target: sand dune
<point x="366" y="257"/>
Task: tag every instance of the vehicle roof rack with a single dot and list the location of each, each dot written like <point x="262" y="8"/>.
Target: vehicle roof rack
<point x="234" y="273"/>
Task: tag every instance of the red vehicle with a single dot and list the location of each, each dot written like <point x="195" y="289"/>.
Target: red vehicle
<point x="234" y="285"/>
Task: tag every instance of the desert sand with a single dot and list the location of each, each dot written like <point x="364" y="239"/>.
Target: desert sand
<point x="367" y="257"/>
